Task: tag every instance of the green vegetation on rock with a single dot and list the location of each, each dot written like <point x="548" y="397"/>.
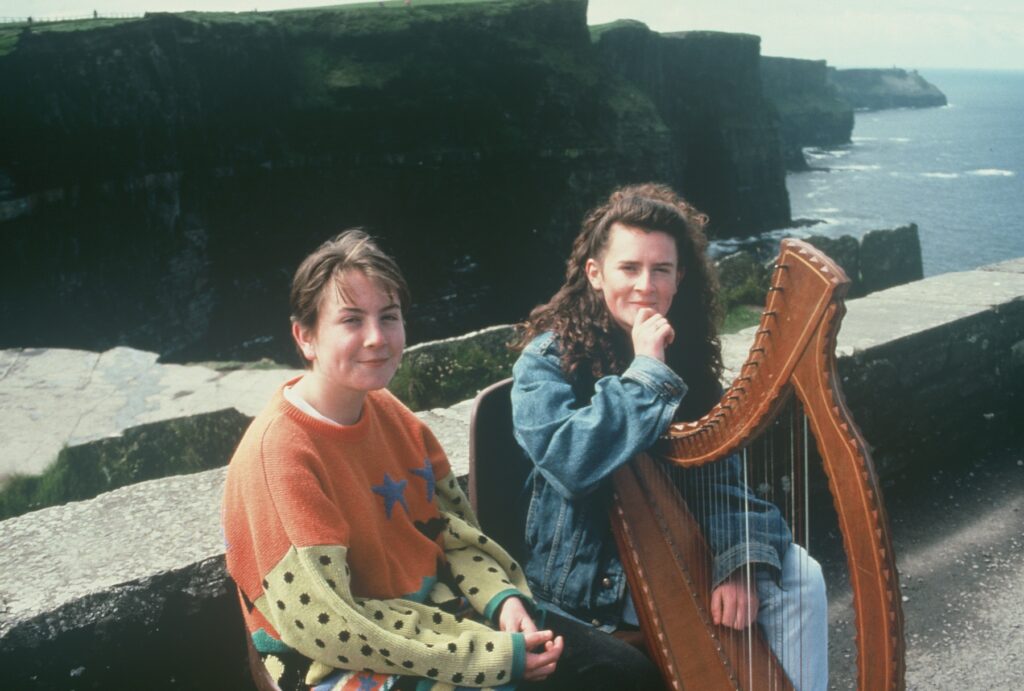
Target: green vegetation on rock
<point x="742" y="280"/>
<point x="598" y="30"/>
<point x="443" y="373"/>
<point x="741" y="317"/>
<point x="10" y="34"/>
<point x="160" y="449"/>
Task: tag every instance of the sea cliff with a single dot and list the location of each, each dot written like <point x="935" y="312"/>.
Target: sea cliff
<point x="161" y="177"/>
<point x="815" y="103"/>
<point x="876" y="89"/>
<point x="809" y="109"/>
<point x="706" y="87"/>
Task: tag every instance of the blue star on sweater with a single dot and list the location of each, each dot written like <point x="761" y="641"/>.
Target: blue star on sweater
<point x="392" y="492"/>
<point x="366" y="683"/>
<point x="427" y="473"/>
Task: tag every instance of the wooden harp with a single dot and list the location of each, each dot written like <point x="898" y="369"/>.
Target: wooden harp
<point x="662" y="547"/>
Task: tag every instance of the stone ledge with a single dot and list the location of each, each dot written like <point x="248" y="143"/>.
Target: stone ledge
<point x="56" y="398"/>
<point x="63" y="554"/>
<point x="53" y="398"/>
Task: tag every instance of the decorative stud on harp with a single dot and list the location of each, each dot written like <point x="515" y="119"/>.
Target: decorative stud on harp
<point x="662" y="546"/>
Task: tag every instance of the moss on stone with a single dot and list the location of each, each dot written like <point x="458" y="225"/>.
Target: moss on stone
<point x="8" y="39"/>
<point x="443" y="373"/>
<point x="394" y="16"/>
<point x="160" y="449"/>
<point x="741" y="317"/>
<point x="598" y="30"/>
<point x="742" y="280"/>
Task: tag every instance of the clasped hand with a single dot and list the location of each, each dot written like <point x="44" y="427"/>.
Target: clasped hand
<point x="543" y="648"/>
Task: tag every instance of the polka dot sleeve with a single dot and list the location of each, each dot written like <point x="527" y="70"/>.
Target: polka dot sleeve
<point x="452" y="500"/>
<point x="484" y="572"/>
<point x="306" y="598"/>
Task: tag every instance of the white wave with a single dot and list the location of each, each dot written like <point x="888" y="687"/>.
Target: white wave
<point x="828" y="210"/>
<point x="943" y="176"/>
<point x="992" y="172"/>
<point x="817" y="153"/>
<point x="858" y="167"/>
<point x="857" y="140"/>
<point x="899" y="139"/>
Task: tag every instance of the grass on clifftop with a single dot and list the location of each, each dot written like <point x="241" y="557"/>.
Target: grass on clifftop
<point x="597" y="30"/>
<point x="10" y="34"/>
<point x="741" y="317"/>
<point x="379" y="16"/>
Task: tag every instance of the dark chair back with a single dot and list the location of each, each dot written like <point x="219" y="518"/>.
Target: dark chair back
<point x="261" y="677"/>
<point x="498" y="468"/>
<point x="262" y="680"/>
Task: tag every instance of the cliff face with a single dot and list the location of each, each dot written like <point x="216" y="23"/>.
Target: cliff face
<point x="161" y="178"/>
<point x="809" y="109"/>
<point x="725" y="151"/>
<point x="868" y="89"/>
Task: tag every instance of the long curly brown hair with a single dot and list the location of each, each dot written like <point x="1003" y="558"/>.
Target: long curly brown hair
<point x="592" y="344"/>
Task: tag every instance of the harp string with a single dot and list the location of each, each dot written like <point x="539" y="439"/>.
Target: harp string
<point x="774" y="467"/>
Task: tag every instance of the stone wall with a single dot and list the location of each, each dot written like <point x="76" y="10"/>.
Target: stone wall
<point x="934" y="370"/>
<point x="130" y="585"/>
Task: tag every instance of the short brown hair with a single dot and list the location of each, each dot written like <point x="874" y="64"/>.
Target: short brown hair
<point x="352" y="249"/>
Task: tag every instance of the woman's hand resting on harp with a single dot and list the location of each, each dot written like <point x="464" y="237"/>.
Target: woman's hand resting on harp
<point x="734" y="603"/>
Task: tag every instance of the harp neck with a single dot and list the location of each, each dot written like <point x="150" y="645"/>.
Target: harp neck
<point x="804" y="305"/>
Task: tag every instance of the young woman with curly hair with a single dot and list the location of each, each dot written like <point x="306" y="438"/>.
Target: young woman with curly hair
<point x="626" y="346"/>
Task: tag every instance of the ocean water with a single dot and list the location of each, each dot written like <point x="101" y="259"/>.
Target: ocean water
<point x="956" y="171"/>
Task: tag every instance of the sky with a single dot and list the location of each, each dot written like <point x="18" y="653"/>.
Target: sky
<point x="914" y="34"/>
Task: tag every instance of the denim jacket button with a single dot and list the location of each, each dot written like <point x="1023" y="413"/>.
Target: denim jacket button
<point x="606" y="582"/>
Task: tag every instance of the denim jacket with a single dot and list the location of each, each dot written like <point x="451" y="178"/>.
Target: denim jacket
<point x="576" y="445"/>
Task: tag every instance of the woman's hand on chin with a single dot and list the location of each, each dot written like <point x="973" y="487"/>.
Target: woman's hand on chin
<point x="651" y="334"/>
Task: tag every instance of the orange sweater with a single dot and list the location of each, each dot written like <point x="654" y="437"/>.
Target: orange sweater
<point x="339" y="539"/>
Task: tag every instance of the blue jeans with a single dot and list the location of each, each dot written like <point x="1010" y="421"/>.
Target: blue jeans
<point x="794" y="617"/>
